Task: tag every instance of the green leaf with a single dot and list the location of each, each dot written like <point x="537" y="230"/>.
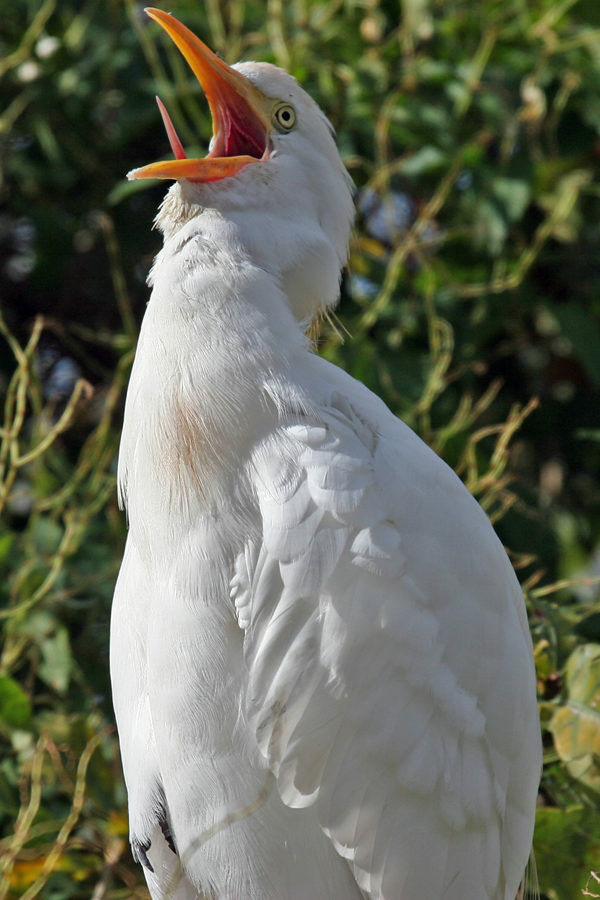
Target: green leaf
<point x="584" y="333"/>
<point x="514" y="195"/>
<point x="489" y="227"/>
<point x="47" y="535"/>
<point x="576" y="726"/>
<point x="567" y="848"/>
<point x="15" y="708"/>
<point x="424" y="161"/>
<point x="124" y="189"/>
<point x="55" y="668"/>
<point x="6" y="542"/>
<point x="589" y="627"/>
<point x="588" y="434"/>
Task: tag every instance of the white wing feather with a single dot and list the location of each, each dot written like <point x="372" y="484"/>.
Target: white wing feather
<point x="389" y="662"/>
<point x="146" y="799"/>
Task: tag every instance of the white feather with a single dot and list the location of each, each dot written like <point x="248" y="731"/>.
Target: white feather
<point x="309" y="596"/>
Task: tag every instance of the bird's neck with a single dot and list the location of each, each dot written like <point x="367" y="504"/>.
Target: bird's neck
<point x="286" y="236"/>
<point x="217" y="342"/>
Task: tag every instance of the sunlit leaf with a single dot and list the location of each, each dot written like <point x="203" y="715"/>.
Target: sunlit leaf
<point x="425" y="160"/>
<point x="567" y="848"/>
<point x="56" y="664"/>
<point x="15" y="706"/>
<point x="576" y="725"/>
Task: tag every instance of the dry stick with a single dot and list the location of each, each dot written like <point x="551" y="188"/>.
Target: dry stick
<point x="564" y="583"/>
<point x="432" y="208"/>
<point x="23" y="51"/>
<point x="467" y="413"/>
<point x="477" y="68"/>
<point x="216" y="25"/>
<point x="548" y="20"/>
<point x="81" y="387"/>
<point x="76" y="522"/>
<point x="492" y="484"/>
<point x="96" y="454"/>
<point x="117" y="275"/>
<point x="9" y="404"/>
<point x="276" y="33"/>
<point x="16" y="405"/>
<point x="441" y="342"/>
<point x="412" y="238"/>
<point x="410" y="242"/>
<point x="13" y="111"/>
<point x="101" y="336"/>
<point x="568" y="195"/>
<point x="75" y="525"/>
<point x="112" y="855"/>
<point x="71" y="820"/>
<point x="58" y="559"/>
<point x="24" y="819"/>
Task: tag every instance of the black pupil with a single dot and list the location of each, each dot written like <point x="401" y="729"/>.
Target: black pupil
<point x="285" y="115"/>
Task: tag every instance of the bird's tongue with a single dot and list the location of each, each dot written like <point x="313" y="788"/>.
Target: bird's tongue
<point x="176" y="145"/>
<point x="240" y="124"/>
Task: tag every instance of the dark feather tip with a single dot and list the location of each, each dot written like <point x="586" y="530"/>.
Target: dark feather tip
<point x="139" y="852"/>
<point x="164" y="827"/>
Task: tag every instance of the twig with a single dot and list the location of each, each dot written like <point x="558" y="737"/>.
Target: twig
<point x="71" y="820"/>
<point x="23" y="51"/>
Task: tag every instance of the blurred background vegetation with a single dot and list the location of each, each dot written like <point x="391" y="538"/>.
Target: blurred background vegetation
<point x="472" y="305"/>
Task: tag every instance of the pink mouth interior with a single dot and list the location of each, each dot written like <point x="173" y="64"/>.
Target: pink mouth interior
<point x="239" y="132"/>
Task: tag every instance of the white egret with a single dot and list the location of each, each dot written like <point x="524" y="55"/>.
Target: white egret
<point x="321" y="664"/>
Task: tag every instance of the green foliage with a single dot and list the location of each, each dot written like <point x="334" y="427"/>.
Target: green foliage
<point x="567" y="842"/>
<point x="15" y="706"/>
<point x="472" y="304"/>
<point x="576" y="725"/>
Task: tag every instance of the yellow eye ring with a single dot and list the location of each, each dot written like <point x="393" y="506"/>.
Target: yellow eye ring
<point x="284" y="117"/>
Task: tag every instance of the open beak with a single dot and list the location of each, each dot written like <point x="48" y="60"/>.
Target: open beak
<point x="239" y="113"/>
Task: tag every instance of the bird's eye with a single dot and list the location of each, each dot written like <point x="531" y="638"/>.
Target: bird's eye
<point x="284" y="117"/>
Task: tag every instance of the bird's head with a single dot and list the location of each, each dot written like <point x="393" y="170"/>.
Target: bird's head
<point x="272" y="168"/>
